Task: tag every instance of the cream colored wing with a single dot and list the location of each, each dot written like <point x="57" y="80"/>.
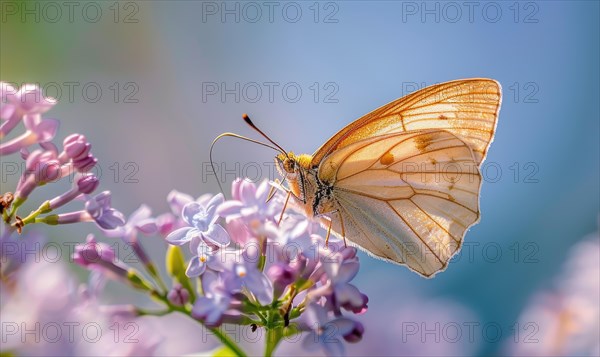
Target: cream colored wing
<point x="407" y="198"/>
<point x="468" y="108"/>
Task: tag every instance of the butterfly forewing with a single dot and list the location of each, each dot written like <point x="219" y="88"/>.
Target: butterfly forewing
<point x="467" y="108"/>
<point x="407" y="197"/>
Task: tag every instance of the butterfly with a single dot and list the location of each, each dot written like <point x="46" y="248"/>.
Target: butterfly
<point x="402" y="182"/>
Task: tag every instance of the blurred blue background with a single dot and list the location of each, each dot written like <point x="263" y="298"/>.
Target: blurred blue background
<point x="174" y="75"/>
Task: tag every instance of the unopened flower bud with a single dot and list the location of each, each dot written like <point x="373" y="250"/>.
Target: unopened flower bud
<point x="356" y="334"/>
<point x="48" y="171"/>
<point x="76" y="146"/>
<point x="87" y="184"/>
<point x="281" y="275"/>
<point x="178" y="296"/>
<point x="85" y="164"/>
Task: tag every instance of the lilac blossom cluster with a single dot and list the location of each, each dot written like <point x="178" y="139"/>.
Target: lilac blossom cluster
<point x="252" y="263"/>
<point x="47" y="164"/>
<point x="253" y="271"/>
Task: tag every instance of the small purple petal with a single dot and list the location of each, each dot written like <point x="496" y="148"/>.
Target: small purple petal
<point x="348" y="293"/>
<point x="147" y="226"/>
<point x="347" y="272"/>
<point x="177" y="200"/>
<point x="111" y="219"/>
<point x="140" y="214"/>
<point x="356" y="334"/>
<point x="316" y="316"/>
<point x="341" y="326"/>
<point x="230" y="208"/>
<point x="311" y="342"/>
<point x="195" y="268"/>
<point x="46" y="129"/>
<point x="6" y="111"/>
<point x="217" y="235"/>
<point x="179" y="236"/>
<point x="262" y="192"/>
<point x="216" y="200"/>
<point x="189" y="211"/>
<point x="248" y="192"/>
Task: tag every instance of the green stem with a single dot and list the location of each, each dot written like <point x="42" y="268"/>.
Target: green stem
<point x="228" y="342"/>
<point x="220" y="335"/>
<point x="44" y="208"/>
<point x="142" y="312"/>
<point x="273" y="337"/>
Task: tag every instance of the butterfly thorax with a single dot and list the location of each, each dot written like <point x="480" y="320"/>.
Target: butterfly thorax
<point x="314" y="195"/>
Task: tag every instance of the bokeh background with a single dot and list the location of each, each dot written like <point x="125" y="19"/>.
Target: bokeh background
<point x="152" y="83"/>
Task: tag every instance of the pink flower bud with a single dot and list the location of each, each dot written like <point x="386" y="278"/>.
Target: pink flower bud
<point x="85" y="164"/>
<point x="178" y="296"/>
<point x="87" y="184"/>
<point x="76" y="146"/>
<point x="48" y="171"/>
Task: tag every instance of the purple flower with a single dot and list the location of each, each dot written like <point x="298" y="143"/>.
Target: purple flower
<point x="41" y="166"/>
<point x="356" y="334"/>
<point x="100" y="210"/>
<point x="76" y="147"/>
<point x="177" y="200"/>
<point x="282" y="275"/>
<point x="246" y="275"/>
<point x="165" y="223"/>
<point x="202" y="224"/>
<point x="76" y="152"/>
<point x="139" y="221"/>
<point x="204" y="256"/>
<point x="339" y="273"/>
<point x="84" y="184"/>
<point x="239" y="232"/>
<point x="205" y="236"/>
<point x="100" y="257"/>
<point x="173" y="220"/>
<point x="211" y="307"/>
<point x="297" y="236"/>
<point x="250" y="202"/>
<point x="27" y="101"/>
<point x="178" y="296"/>
<point x="307" y="268"/>
<point x="38" y="130"/>
<point x="326" y="333"/>
<point x="45" y="294"/>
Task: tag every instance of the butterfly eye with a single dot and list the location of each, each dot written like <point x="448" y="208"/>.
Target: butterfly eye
<point x="289" y="165"/>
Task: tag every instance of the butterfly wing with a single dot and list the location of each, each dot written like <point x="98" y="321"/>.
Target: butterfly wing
<point x="467" y="108"/>
<point x="407" y="198"/>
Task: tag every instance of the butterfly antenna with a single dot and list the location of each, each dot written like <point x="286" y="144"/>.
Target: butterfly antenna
<point x="233" y="135"/>
<point x="251" y="124"/>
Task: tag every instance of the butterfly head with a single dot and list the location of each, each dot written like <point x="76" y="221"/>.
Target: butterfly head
<point x="290" y="164"/>
<point x="293" y="168"/>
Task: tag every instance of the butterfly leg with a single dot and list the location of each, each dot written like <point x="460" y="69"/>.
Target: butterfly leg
<point x="287" y="199"/>
<point x="272" y="191"/>
<point x="329" y="229"/>
<point x="328" y="233"/>
<point x="343" y="229"/>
